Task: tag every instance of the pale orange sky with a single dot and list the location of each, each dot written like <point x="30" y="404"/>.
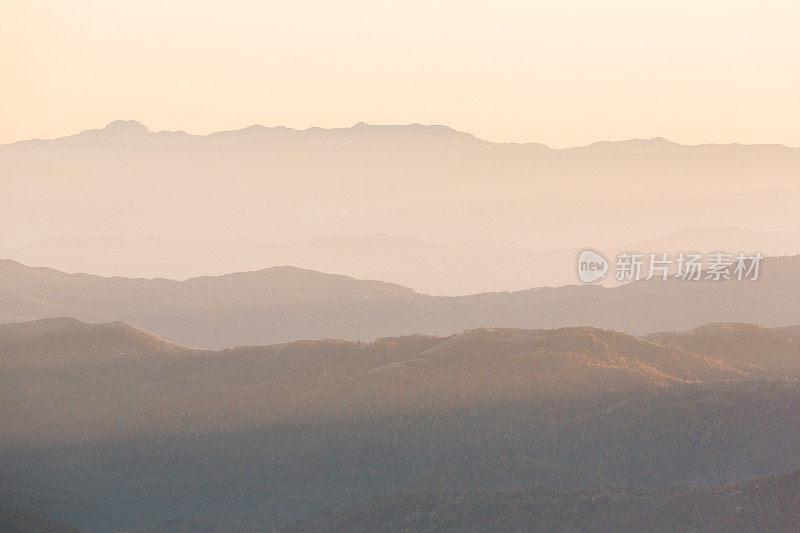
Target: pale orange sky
<point x="561" y="73"/>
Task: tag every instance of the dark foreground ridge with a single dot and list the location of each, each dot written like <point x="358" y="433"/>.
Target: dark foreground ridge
<point x="771" y="504"/>
<point x="14" y="521"/>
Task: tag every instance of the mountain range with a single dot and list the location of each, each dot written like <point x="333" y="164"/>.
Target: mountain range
<point x="286" y="303"/>
<point x="71" y="379"/>
<point x="430" y="183"/>
<point x="203" y="391"/>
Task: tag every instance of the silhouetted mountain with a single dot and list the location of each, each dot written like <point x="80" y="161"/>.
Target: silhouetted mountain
<point x="771" y="504"/>
<point x="435" y="268"/>
<point x="275" y="304"/>
<point x="284" y="303"/>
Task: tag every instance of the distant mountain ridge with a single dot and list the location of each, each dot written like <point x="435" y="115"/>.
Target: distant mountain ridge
<point x="427" y="182"/>
<point x="133" y="127"/>
<point x="452" y="269"/>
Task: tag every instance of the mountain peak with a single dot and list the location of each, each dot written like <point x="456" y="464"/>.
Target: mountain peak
<point x="126" y="126"/>
<point x="727" y="328"/>
<point x="654" y="142"/>
<point x="43" y="326"/>
<point x="409" y="131"/>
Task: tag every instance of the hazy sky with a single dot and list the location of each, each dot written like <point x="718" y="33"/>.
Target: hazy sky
<point x="558" y="72"/>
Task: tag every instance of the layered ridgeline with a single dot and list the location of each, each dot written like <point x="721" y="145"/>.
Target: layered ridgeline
<point x="277" y="184"/>
<point x="66" y="380"/>
<point x="440" y="268"/>
<point x="110" y="427"/>
<point x="285" y="303"/>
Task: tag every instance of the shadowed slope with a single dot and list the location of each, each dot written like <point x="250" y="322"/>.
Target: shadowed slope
<point x="771" y="504"/>
<point x="14" y="521"/>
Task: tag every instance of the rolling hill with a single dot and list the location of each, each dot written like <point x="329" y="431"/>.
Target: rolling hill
<point x="103" y="421"/>
<point x="766" y="352"/>
<point x="72" y="380"/>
